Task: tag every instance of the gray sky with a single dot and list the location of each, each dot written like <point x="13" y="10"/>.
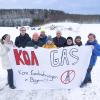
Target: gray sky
<point x="69" y="6"/>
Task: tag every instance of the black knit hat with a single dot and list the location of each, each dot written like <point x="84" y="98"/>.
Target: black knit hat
<point x="70" y="38"/>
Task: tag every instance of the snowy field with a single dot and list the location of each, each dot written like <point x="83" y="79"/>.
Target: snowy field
<point x="90" y="92"/>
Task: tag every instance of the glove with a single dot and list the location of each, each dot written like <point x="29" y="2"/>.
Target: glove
<point x="35" y="46"/>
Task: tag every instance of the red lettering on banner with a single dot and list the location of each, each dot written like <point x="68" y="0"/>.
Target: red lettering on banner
<point x="26" y="58"/>
<point x="22" y="57"/>
<point x="18" y="57"/>
<point x="34" y="58"/>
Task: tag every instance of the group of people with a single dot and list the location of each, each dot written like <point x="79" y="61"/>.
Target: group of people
<point x="42" y="40"/>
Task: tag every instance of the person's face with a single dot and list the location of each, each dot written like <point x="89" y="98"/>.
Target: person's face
<point x="35" y="37"/>
<point x="22" y="31"/>
<point x="91" y="38"/>
<point x="7" y="39"/>
<point x="58" y="34"/>
<point x="42" y="34"/>
<point x="78" y="40"/>
<point x="69" y="42"/>
<point x="49" y="42"/>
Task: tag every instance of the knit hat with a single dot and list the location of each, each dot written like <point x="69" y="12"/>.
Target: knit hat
<point x="70" y="38"/>
<point x="42" y="31"/>
<point x="77" y="37"/>
<point x="49" y="38"/>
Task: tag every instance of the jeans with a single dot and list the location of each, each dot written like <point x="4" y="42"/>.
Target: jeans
<point x="10" y="77"/>
<point x="88" y="75"/>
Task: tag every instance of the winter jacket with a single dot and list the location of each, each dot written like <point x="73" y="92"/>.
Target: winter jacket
<point x="33" y="43"/>
<point x="49" y="46"/>
<point x="66" y="45"/>
<point x="59" y="42"/>
<point x="44" y="39"/>
<point x="78" y="43"/>
<point x="21" y="41"/>
<point x="95" y="52"/>
<point x="4" y="56"/>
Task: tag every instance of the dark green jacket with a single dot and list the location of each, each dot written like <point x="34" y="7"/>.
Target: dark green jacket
<point x="33" y="43"/>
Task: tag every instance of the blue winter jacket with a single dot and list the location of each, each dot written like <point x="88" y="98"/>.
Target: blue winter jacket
<point x="95" y="52"/>
<point x="43" y="39"/>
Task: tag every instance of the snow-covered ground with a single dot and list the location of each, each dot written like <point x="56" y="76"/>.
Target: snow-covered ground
<point x="90" y="92"/>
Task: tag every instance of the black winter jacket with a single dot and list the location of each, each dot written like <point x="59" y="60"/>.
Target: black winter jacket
<point x="21" y="41"/>
<point x="59" y="42"/>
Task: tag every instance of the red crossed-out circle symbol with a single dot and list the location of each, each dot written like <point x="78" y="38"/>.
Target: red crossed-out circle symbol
<point x="68" y="76"/>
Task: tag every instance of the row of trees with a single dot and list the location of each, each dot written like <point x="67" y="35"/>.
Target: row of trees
<point x="33" y="17"/>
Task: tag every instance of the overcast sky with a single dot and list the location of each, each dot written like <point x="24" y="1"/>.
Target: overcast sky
<point x="69" y="6"/>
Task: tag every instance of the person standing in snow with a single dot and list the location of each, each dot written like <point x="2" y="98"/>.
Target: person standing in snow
<point x="43" y="37"/>
<point x="22" y="39"/>
<point x="35" y="42"/>
<point x="59" y="41"/>
<point x="69" y="42"/>
<point x="49" y="44"/>
<point x="5" y="45"/>
<point x="95" y="52"/>
<point x="78" y="41"/>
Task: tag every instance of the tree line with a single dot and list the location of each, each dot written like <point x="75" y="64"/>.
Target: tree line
<point x="34" y="17"/>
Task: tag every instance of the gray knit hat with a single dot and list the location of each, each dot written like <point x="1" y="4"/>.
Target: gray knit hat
<point x="49" y="38"/>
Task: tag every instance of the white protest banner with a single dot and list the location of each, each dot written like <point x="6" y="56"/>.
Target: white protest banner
<point x="41" y="68"/>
